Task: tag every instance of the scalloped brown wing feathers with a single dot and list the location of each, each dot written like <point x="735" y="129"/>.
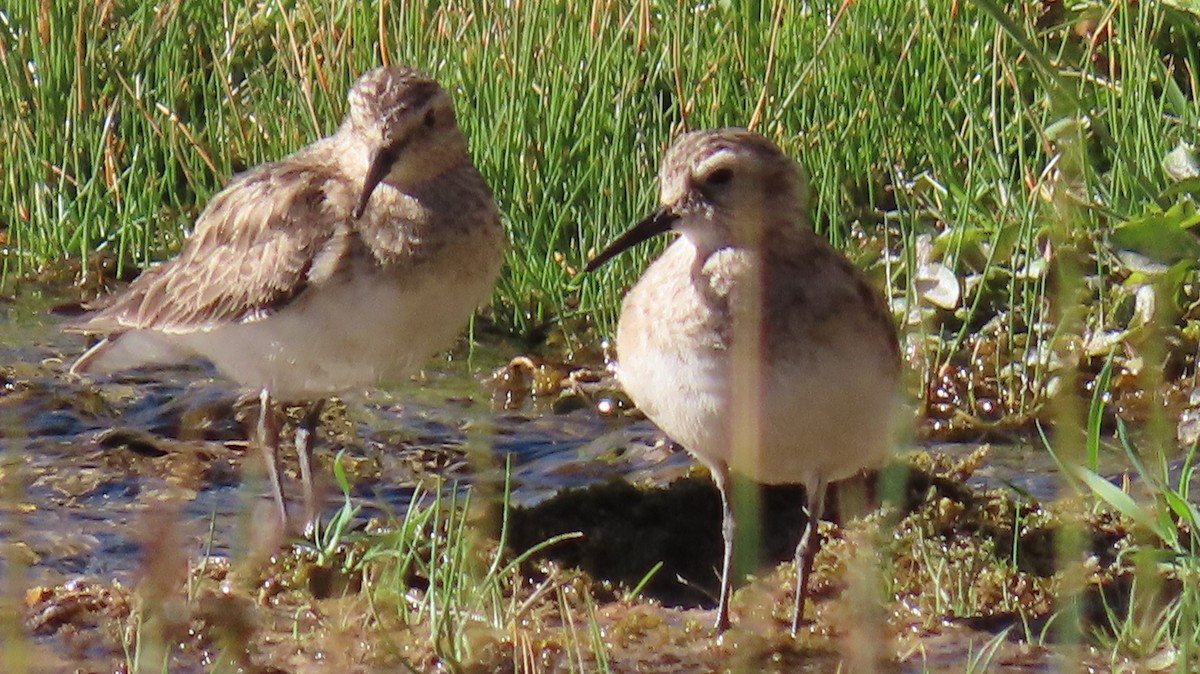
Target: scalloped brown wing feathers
<point x="246" y="258"/>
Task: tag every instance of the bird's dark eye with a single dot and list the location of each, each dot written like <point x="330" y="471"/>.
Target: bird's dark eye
<point x="719" y="177"/>
<point x="430" y="119"/>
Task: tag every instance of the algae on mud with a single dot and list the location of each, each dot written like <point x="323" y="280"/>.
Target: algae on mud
<point x="949" y="164"/>
<point x="951" y="569"/>
<point x="544" y="615"/>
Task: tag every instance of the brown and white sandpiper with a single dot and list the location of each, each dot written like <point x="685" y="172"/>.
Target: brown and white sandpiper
<point x="345" y="264"/>
<point x="750" y="340"/>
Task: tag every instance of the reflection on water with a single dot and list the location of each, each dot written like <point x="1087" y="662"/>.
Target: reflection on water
<point x="87" y="464"/>
<point x="85" y="460"/>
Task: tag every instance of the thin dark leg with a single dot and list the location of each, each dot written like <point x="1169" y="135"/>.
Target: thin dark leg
<point x="720" y="476"/>
<point x="268" y="444"/>
<point x="305" y="432"/>
<point x="806" y="550"/>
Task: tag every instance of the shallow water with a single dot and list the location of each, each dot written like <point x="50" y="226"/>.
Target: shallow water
<point x="90" y="467"/>
<point x="87" y="460"/>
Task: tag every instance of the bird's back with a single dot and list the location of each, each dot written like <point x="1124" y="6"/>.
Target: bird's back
<point x="282" y="289"/>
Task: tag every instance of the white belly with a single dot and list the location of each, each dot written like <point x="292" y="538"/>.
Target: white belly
<point x="347" y="334"/>
<point x="829" y="419"/>
<point x="822" y="410"/>
<point x="344" y="336"/>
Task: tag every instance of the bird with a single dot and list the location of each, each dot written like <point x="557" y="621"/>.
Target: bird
<point x="750" y="340"/>
<point x="343" y="265"/>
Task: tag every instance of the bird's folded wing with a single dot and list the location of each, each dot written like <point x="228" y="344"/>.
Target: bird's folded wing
<point x="251" y="253"/>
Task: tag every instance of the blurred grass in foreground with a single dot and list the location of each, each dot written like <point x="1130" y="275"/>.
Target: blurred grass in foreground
<point x="966" y="161"/>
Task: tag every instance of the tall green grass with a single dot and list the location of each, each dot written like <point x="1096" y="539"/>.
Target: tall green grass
<point x="119" y="119"/>
<point x="988" y="141"/>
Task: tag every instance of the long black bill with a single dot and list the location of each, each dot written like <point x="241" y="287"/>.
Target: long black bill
<point x="381" y="163"/>
<point x="661" y="220"/>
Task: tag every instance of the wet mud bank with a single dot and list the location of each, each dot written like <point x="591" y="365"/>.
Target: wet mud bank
<point x="134" y="532"/>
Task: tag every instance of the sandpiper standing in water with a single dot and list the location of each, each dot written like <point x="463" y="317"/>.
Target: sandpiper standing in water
<point x="750" y="340"/>
<point x="349" y="262"/>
